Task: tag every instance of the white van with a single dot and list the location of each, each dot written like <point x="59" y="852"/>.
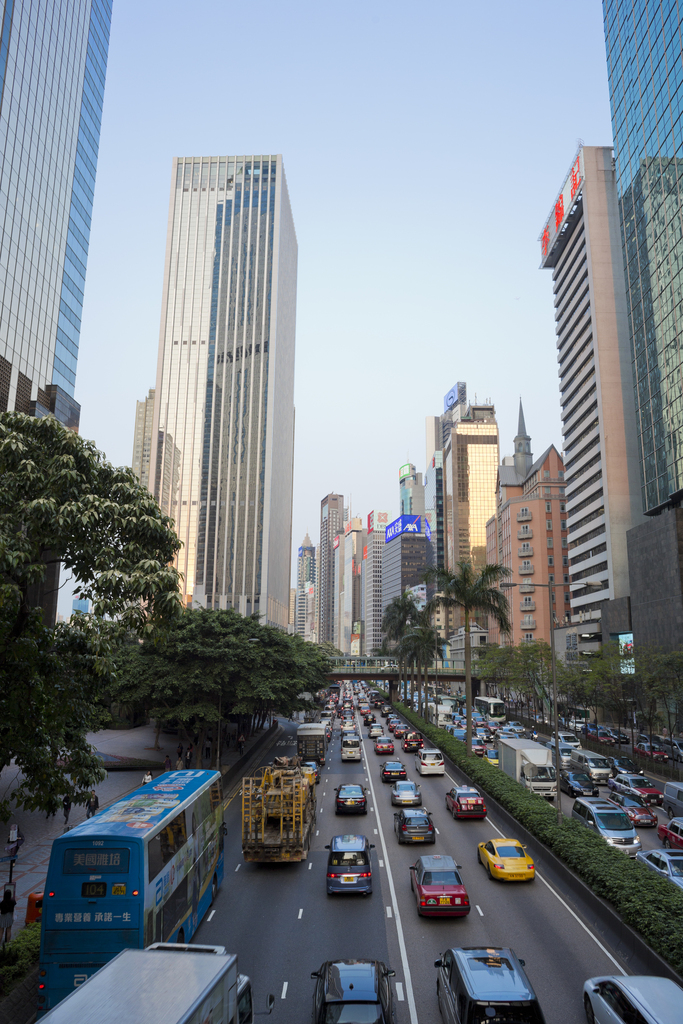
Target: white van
<point x="350" y="747"/>
<point x="430" y="762"/>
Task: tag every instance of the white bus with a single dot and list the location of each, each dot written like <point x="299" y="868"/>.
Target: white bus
<point x="492" y="708"/>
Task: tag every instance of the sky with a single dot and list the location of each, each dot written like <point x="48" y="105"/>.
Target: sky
<point x="423" y="147"/>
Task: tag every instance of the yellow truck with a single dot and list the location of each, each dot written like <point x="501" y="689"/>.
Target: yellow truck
<point x="278" y="814"/>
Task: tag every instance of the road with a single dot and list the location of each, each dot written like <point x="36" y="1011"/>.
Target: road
<point x="280" y="922"/>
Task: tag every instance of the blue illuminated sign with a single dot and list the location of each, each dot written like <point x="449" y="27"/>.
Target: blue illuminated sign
<point x="404" y="524"/>
<point x="428" y="529"/>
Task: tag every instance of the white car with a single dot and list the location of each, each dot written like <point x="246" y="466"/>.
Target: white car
<point x="645" y="999"/>
<point x="430" y="762"/>
<point x="567" y="739"/>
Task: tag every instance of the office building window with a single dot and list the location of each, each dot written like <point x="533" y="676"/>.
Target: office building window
<point x="550" y="560"/>
<point x="548" y="524"/>
<point x="548" y="506"/>
<point x="549" y="542"/>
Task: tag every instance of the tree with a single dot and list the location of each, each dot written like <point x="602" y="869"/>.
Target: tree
<point x="418" y="644"/>
<point x="398" y="616"/>
<point x="471" y="590"/>
<point x="496" y="666"/>
<point x="60" y="501"/>
<point x="209" y="665"/>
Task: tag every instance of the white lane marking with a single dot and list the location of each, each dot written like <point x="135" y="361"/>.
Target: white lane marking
<point x="399" y="991"/>
<point x="284" y="990"/>
<point x="310" y="865"/>
<point x="372" y="810"/>
<point x="576" y="917"/>
<point x="318" y="832"/>
<point x="324" y="794"/>
<point x="301" y="914"/>
<point x="211" y="915"/>
<point x="437" y="831"/>
<point x="481" y="912"/>
<point x="388" y="911"/>
<point x="397" y="914"/>
<point x="375" y="831"/>
<point x="381" y="863"/>
<point x="238" y="867"/>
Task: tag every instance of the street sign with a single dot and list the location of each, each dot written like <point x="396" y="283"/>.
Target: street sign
<point x="14" y="857"/>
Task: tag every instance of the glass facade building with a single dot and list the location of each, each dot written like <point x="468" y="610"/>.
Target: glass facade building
<point x="645" y="70"/>
<point x="222" y="463"/>
<point x="470" y="469"/>
<point x="53" y="62"/>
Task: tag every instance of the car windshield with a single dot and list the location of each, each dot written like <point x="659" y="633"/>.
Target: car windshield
<point x="417" y="819"/>
<point x="637" y="781"/>
<point x="350" y="791"/>
<point x="393" y="766"/>
<point x="510" y="851"/>
<point x="353" y="1013"/>
<point x="492" y="753"/>
<point x="676" y="866"/>
<point x="348" y="858"/>
<point x="441" y="878"/>
<point x="405" y="787"/>
<point x="615" y="822"/>
<point x="582" y="779"/>
<point x="598" y="762"/>
<point x="351" y="742"/>
<point x="431" y="757"/>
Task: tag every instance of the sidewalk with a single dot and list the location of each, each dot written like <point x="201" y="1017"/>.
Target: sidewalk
<point x="30" y="868"/>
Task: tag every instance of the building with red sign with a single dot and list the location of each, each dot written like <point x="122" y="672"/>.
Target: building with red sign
<point x="581" y="244"/>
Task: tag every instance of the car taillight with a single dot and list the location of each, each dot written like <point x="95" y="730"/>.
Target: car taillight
<point x="404" y="828"/>
<point x="365" y="874"/>
<point x="332" y="874"/>
<point x="499" y="867"/>
<point x="530" y="867"/>
<point x="430" y="828"/>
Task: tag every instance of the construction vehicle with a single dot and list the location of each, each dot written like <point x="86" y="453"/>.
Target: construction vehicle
<point x="311" y="742"/>
<point x="278" y="814"/>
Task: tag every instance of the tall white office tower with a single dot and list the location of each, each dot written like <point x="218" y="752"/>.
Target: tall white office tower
<point x="224" y="398"/>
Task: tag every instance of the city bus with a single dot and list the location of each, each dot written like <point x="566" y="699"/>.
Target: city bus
<point x="146" y="869"/>
<point x="492" y="708"/>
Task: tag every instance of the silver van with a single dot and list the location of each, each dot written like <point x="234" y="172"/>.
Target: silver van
<point x="595" y="766"/>
<point x="674" y="749"/>
<point x="673" y="799"/>
<point x="609" y="821"/>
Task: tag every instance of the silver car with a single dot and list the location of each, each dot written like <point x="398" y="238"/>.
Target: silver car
<point x="406" y="794"/>
<point x="667" y="863"/>
<point x="642" y="998"/>
<point x="565" y="754"/>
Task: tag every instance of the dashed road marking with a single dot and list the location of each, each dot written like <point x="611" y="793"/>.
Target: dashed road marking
<point x="481" y="912"/>
<point x="399" y="991"/>
<point x="318" y="832"/>
<point x="389" y="913"/>
<point x="310" y="865"/>
<point x="238" y="867"/>
<point x="375" y="831"/>
<point x="301" y="914"/>
<point x="211" y="915"/>
<point x="437" y="831"/>
<point x="284" y="990"/>
<point x="381" y="863"/>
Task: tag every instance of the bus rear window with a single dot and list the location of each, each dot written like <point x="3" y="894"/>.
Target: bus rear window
<point x="110" y="861"/>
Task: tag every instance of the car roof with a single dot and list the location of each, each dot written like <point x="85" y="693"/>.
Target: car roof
<point x="491" y="983"/>
<point x="430" y="750"/>
<point x="348" y="842"/>
<point x="437" y="862"/>
<point x="466" y="789"/>
<point x="351" y="980"/>
<point x="661" y="996"/>
<point x="350" y="785"/>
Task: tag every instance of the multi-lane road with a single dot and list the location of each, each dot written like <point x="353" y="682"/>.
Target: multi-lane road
<point x="282" y="925"/>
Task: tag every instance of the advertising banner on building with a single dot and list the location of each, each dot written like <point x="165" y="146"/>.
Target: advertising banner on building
<point x="404" y="524"/>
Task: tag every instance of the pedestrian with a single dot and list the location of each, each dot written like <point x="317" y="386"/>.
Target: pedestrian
<point x="93" y="805"/>
<point x="179" y="764"/>
<point x="167" y="764"/>
<point x="188" y="756"/>
<point x="180" y="750"/>
<point x="147" y="777"/>
<point x="7" y="915"/>
<point x="66" y="804"/>
<point x="240" y="743"/>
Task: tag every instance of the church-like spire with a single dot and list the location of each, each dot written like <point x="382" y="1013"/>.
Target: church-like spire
<point x="523" y="457"/>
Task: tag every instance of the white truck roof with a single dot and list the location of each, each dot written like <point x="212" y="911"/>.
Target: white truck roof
<point x="146" y="986"/>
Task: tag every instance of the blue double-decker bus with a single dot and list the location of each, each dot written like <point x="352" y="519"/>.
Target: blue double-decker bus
<point x="146" y="869"/>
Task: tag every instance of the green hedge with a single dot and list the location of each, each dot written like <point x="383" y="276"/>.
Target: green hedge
<point x="19" y="957"/>
<point x="651" y="905"/>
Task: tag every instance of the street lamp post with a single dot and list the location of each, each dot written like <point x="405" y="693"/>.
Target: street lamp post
<point x="558" y="763"/>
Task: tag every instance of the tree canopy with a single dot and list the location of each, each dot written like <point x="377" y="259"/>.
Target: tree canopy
<point x="61" y="501"/>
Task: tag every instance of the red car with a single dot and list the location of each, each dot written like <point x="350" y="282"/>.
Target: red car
<point x="413" y="741"/>
<point x="383" y="745"/>
<point x="478" y="747"/>
<point x="671" y="834"/>
<point x="438" y="888"/>
<point x="465" y="802"/>
<point x="392" y="723"/>
<point x="639" y="813"/>
<point x="651" y="750"/>
<point x="400" y="730"/>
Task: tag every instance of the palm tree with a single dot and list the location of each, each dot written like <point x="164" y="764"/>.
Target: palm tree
<point x="398" y="615"/>
<point x="419" y="643"/>
<point x="473" y="590"/>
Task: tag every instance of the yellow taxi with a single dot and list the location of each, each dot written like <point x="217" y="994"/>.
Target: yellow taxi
<point x="491" y="756"/>
<point x="506" y="859"/>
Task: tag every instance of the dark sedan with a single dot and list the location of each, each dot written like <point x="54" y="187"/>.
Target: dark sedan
<point x="390" y="771"/>
<point x="620" y="764"/>
<point x="350" y="800"/>
<point x="577" y="784"/>
<point x="414" y="825"/>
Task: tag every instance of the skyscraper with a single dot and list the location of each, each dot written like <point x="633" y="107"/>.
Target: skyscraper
<point x="580" y="243"/>
<point x="142" y="441"/>
<point x="53" y="62"/>
<point x="224" y="413"/>
<point x="644" y="57"/>
<point x="372" y="581"/>
<point x="331" y="525"/>
<point x="305" y="578"/>
<point x="411" y="491"/>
